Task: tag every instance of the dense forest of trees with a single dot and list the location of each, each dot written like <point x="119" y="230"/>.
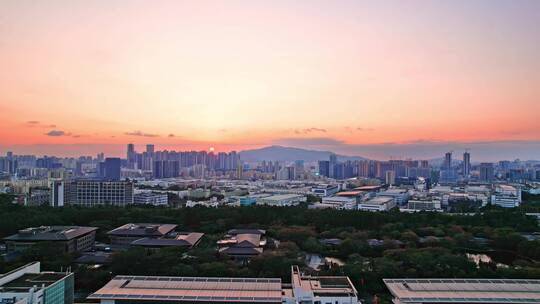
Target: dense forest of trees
<point x="413" y="245"/>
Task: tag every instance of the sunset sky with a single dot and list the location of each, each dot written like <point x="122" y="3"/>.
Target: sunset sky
<point x="348" y="76"/>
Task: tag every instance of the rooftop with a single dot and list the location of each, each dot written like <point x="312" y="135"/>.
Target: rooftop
<point x="143" y="229"/>
<point x="393" y="191"/>
<point x="246" y="231"/>
<point x="344" y="199"/>
<point x="368" y="188"/>
<point x="506" y="187"/>
<point x="240" y="251"/>
<point x="188" y="239"/>
<point x="248" y="240"/>
<point x="324" y="186"/>
<point x="50" y="233"/>
<point x="34" y="279"/>
<point x="350" y="193"/>
<point x="191" y="289"/>
<point x="149" y="194"/>
<point x="27" y="276"/>
<point x="323" y="285"/>
<point x="245" y="240"/>
<point x="280" y="197"/>
<point x="464" y="290"/>
<point x="379" y="200"/>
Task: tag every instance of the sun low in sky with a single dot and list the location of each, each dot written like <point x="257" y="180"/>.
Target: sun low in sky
<point x="240" y="74"/>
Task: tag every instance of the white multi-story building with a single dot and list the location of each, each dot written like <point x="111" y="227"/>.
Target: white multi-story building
<point x="400" y="196"/>
<point x="28" y="285"/>
<point x="428" y="204"/>
<point x="340" y="202"/>
<point x="151" y="198"/>
<point x="380" y="203"/>
<point x="441" y="190"/>
<point x="506" y="196"/>
<point x="91" y="193"/>
<point x="325" y="190"/>
<point x="282" y="200"/>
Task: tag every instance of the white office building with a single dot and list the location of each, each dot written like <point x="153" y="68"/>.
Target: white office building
<point x="506" y="196"/>
<point x="29" y="285"/>
<point x="380" y="203"/>
<point x="282" y="200"/>
<point x="340" y="202"/>
<point x="424" y="204"/>
<point x="400" y="196"/>
<point x="151" y="198"/>
<point x="325" y="190"/>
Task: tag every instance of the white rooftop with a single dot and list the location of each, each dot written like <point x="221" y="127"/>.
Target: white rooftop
<point x="393" y="191"/>
<point x="282" y="197"/>
<point x="379" y="200"/>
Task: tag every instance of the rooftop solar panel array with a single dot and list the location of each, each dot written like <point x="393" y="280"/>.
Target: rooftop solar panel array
<point x="507" y="281"/>
<point x="186" y="298"/>
<point x="198" y="279"/>
<point x="465" y="290"/>
<point x="203" y="285"/>
<point x="468" y="300"/>
<point x="192" y="289"/>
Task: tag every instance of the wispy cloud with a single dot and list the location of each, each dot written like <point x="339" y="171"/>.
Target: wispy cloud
<point x="140" y="133"/>
<point x="309" y="130"/>
<point x="57" y="133"/>
<point x="36" y="123"/>
<point x="310" y="141"/>
<point x="60" y="133"/>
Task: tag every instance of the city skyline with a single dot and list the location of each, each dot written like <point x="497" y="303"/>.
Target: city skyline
<point x="481" y="152"/>
<point x="358" y="78"/>
<point x="285" y="152"/>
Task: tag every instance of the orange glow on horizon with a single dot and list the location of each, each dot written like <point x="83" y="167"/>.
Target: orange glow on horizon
<point x="243" y="74"/>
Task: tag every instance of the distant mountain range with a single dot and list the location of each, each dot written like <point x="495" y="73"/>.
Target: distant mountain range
<point x="280" y="153"/>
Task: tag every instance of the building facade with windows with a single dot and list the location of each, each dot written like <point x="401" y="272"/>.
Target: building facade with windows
<point x="325" y="190"/>
<point x="91" y="193"/>
<point x="282" y="200"/>
<point x="506" y="196"/>
<point x="379" y="203"/>
<point x="69" y="238"/>
<point x="29" y="285"/>
<point x="151" y="198"/>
